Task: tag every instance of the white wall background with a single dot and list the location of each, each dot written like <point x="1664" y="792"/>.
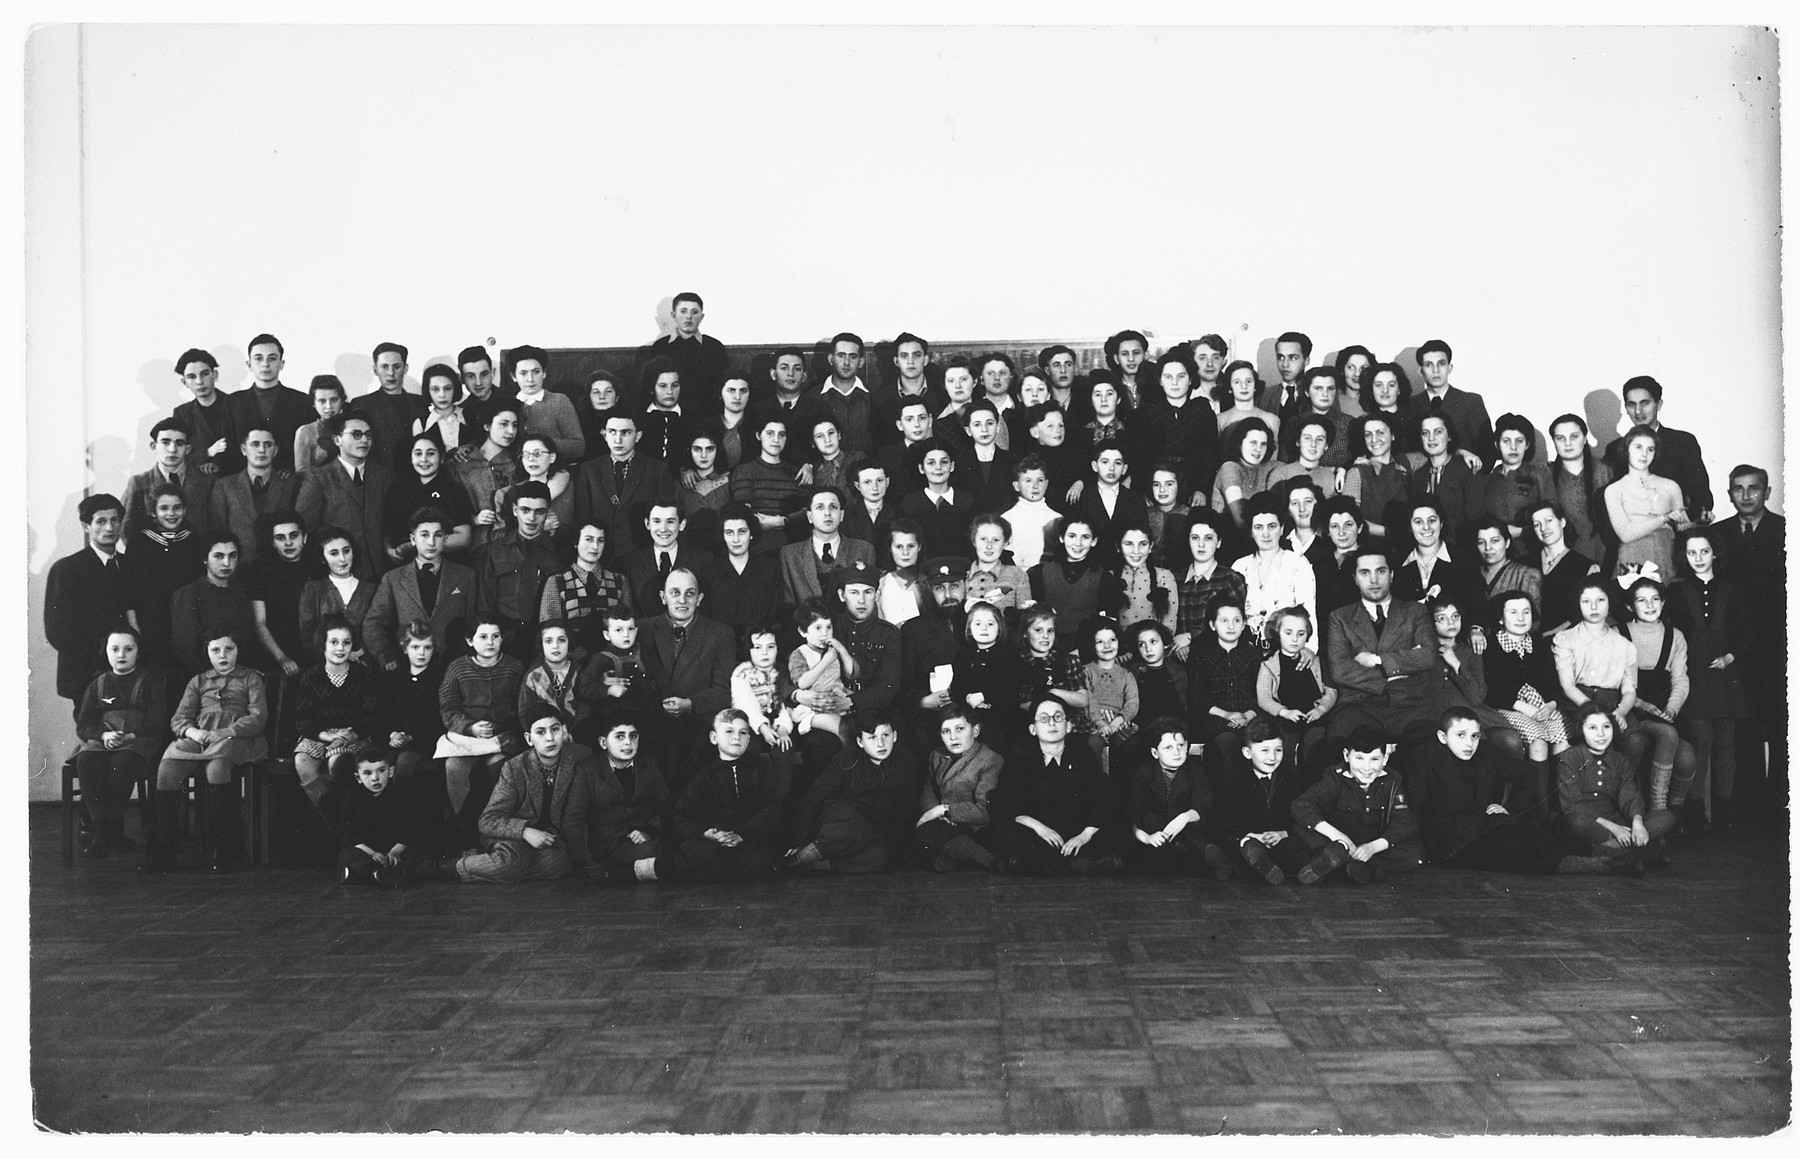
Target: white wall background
<point x="1568" y="207"/>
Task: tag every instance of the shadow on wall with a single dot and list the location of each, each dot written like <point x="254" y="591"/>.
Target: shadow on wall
<point x="354" y="371"/>
<point x="163" y="388"/>
<point x="1605" y="413"/>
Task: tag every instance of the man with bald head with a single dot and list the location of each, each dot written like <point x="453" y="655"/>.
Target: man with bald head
<point x="689" y="659"/>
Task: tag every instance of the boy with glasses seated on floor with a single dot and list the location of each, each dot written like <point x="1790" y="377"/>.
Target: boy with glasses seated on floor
<point x="1054" y="811"/>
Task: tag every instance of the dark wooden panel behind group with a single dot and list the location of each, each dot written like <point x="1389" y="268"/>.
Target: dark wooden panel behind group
<point x="1446" y="1003"/>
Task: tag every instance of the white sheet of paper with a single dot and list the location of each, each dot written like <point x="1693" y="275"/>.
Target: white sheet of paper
<point x="941" y="677"/>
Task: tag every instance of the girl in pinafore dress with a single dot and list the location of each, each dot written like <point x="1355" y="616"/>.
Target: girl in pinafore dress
<point x="123" y="725"/>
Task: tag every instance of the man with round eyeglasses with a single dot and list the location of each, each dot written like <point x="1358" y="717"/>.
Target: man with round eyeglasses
<point x="350" y="492"/>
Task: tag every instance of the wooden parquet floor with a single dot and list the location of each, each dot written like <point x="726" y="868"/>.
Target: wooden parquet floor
<point x="1452" y="1002"/>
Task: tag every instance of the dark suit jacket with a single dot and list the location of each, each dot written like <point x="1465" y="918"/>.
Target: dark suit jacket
<point x="1152" y="803"/>
<point x="644" y="580"/>
<point x="800" y="566"/>
<point x="293" y="410"/>
<point x="1467" y="415"/>
<point x="599" y="500"/>
<point x="206" y="425"/>
<point x="612" y="816"/>
<point x="1408" y="650"/>
<point x="1458" y="576"/>
<point x="1432" y="775"/>
<point x="1068" y="803"/>
<point x="1758" y="563"/>
<point x="1677" y="458"/>
<point x="397" y="603"/>
<point x="993" y="494"/>
<point x="1242" y="805"/>
<point x="944" y="527"/>
<point x="742" y="601"/>
<point x="328" y="498"/>
<point x="232" y="507"/>
<point x="858" y="524"/>
<point x="1130" y="511"/>
<point x="197" y="485"/>
<point x="83" y="603"/>
<point x="702" y="673"/>
<point x="1270" y="400"/>
<point x="319" y="598"/>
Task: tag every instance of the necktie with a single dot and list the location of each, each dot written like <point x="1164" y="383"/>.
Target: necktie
<point x="825" y="555"/>
<point x="662" y="566"/>
<point x="680" y="638"/>
<point x="1437" y="403"/>
<point x="259" y="485"/>
<point x="356" y="477"/>
<point x="621" y="472"/>
<point x="1380" y="620"/>
<point x="428" y="585"/>
<point x="1748" y="528"/>
<point x="1431" y="483"/>
<point x="175" y="478"/>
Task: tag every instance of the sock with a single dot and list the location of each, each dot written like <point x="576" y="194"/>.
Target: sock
<point x="1660" y="775"/>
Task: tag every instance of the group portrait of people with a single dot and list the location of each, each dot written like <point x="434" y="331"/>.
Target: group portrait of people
<point x="835" y="611"/>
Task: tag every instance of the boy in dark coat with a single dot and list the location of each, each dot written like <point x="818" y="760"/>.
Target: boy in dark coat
<point x="1054" y="810"/>
<point x="1167" y="807"/>
<point x="859" y="812"/>
<point x="626" y="799"/>
<point x="1458" y="789"/>
<point x="727" y="817"/>
<point x="1254" y="799"/>
<point x="379" y="826"/>
<point x="1355" y="817"/>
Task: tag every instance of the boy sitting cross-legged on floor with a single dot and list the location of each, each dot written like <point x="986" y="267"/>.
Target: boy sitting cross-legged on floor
<point x="627" y="797"/>
<point x="1355" y="817"/>
<point x="380" y="826"/>
<point x="1166" y="807"/>
<point x="535" y="823"/>
<point x="727" y="816"/>
<point x="1254" y="799"/>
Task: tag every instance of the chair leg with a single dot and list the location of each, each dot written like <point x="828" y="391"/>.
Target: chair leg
<point x="68" y="813"/>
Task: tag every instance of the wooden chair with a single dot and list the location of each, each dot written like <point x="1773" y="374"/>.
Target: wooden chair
<point x="70" y="805"/>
